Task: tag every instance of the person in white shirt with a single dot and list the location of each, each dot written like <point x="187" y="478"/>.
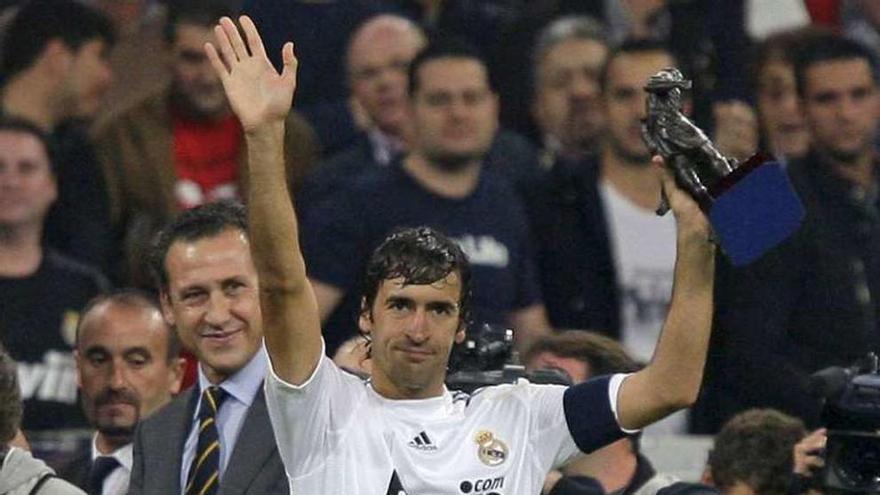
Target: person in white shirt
<point x="128" y="366"/>
<point x="403" y="431"/>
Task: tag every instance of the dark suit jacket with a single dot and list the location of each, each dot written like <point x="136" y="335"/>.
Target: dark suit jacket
<point x="254" y="468"/>
<point x="809" y="303"/>
<point x="572" y="249"/>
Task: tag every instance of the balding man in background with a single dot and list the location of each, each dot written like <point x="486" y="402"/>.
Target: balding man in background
<point x="128" y="366"/>
<point x="377" y="61"/>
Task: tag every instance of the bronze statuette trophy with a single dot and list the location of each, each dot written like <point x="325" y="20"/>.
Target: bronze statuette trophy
<point x="752" y="206"/>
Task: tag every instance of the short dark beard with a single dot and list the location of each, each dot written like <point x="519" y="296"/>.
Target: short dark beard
<point x="119" y="435"/>
<point x="587" y="146"/>
<point x="452" y="162"/>
<point x="626" y="156"/>
<point x="181" y="104"/>
<point x="843" y="157"/>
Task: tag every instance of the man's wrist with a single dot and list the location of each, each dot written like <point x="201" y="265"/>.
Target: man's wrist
<point x="264" y="132"/>
<point x="698" y="243"/>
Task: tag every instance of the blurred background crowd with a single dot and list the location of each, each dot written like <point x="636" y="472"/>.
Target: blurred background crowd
<point x="112" y="121"/>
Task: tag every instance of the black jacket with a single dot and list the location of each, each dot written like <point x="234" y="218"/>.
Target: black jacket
<point x="809" y="303"/>
<point x="572" y="249"/>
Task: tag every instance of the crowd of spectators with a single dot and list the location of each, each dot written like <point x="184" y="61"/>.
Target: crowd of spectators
<point x="113" y="122"/>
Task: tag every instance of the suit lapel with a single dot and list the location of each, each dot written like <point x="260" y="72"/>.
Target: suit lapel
<point x="77" y="471"/>
<point x="169" y="437"/>
<point x="254" y="447"/>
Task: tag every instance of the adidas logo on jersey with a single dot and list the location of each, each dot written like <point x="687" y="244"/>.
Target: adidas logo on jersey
<point x="422" y="442"/>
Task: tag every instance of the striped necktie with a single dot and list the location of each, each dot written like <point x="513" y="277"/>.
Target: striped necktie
<point x="204" y="472"/>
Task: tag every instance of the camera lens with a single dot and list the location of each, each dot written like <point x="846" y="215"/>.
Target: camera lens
<point x="856" y="461"/>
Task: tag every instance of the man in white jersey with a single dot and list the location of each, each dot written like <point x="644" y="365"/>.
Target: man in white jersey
<point x="403" y="431"/>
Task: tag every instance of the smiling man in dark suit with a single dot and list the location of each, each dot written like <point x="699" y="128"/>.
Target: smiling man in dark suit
<point x="215" y="437"/>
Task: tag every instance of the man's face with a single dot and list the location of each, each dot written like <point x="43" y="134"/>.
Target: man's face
<point x="576" y="369"/>
<point x="455" y="112"/>
<point x="413" y="328"/>
<point x="624" y="102"/>
<point x="378" y="63"/>
<point x="780" y="115"/>
<point x="87" y="80"/>
<point x="195" y="83"/>
<point x="212" y="299"/>
<point x="123" y="368"/>
<point x="841" y="107"/>
<point x="27" y="185"/>
<point x="567" y="98"/>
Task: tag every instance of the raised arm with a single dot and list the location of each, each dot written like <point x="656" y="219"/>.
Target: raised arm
<point x="261" y="98"/>
<point x="672" y="380"/>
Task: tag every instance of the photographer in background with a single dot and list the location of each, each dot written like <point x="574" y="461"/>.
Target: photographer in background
<point x="842" y="456"/>
<point x="752" y="454"/>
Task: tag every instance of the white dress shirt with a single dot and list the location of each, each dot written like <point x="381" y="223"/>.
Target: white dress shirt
<point x="241" y="388"/>
<point x="116" y="483"/>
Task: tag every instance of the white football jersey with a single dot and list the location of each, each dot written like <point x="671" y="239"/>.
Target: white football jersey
<point x="336" y="435"/>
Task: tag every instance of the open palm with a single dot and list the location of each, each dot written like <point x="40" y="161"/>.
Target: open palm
<point x="257" y="93"/>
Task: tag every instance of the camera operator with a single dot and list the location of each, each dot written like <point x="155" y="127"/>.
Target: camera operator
<point x="844" y="455"/>
<point x="403" y="431"/>
<point x="752" y="453"/>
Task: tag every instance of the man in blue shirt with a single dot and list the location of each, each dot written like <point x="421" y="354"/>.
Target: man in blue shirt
<point x="443" y="183"/>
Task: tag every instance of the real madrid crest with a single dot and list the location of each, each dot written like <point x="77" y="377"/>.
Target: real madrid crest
<point x="491" y="451"/>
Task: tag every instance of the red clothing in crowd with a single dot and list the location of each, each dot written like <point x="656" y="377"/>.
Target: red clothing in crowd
<point x="206" y="160"/>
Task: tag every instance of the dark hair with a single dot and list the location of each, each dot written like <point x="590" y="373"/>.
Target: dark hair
<point x="11" y="408"/>
<point x="783" y="46"/>
<point x="38" y="22"/>
<point x="755" y="448"/>
<point x="631" y="47"/>
<point x="200" y="222"/>
<point x="603" y="355"/>
<point x="17" y="125"/>
<point x="829" y="47"/>
<point x="204" y="13"/>
<point x="132" y="298"/>
<point x="451" y="47"/>
<point x="420" y="256"/>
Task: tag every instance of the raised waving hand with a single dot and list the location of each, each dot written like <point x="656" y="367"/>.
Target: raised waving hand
<point x="261" y="98"/>
<point x="256" y="91"/>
